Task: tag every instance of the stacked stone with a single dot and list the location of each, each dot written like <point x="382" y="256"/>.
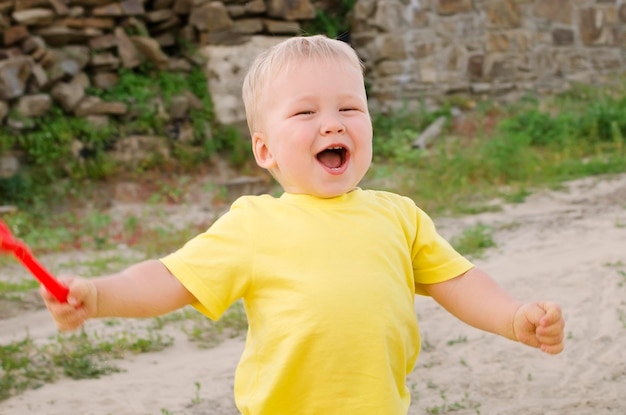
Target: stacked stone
<point x="429" y="48"/>
<point x="51" y="51"/>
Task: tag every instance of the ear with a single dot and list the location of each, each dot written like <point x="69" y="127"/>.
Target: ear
<point x="262" y="153"/>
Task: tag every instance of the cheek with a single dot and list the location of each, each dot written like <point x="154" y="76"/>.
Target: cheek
<point x="365" y="137"/>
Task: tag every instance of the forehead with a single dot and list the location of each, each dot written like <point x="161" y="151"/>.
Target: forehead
<point x="299" y="62"/>
<point x="305" y="72"/>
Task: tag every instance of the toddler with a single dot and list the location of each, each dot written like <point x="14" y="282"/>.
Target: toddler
<point x="327" y="271"/>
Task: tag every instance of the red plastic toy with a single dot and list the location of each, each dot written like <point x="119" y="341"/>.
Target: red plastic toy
<point x="21" y="251"/>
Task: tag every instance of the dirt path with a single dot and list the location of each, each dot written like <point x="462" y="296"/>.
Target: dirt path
<point x="567" y="246"/>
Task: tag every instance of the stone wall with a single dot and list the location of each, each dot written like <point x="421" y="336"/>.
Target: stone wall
<point x="424" y="48"/>
<point x="417" y="50"/>
<point x="52" y="50"/>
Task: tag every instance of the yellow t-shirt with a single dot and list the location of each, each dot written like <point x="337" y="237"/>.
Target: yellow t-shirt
<point x="328" y="286"/>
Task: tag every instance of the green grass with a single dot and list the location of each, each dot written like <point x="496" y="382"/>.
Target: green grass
<point x="96" y="230"/>
<point x="206" y="333"/>
<point x="474" y="240"/>
<point x="458" y="340"/>
<point x="466" y="405"/>
<point x="26" y="364"/>
<point x="21" y="286"/>
<point x="501" y="152"/>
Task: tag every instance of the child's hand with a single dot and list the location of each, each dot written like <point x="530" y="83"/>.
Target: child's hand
<point x="81" y="304"/>
<point x="540" y="325"/>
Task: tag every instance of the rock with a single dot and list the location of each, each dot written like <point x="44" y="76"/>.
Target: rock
<point x="210" y="17"/>
<point x="178" y="107"/>
<point x="91" y="105"/>
<point x="33" y="105"/>
<point x="61" y="35"/>
<point x="105" y="80"/>
<point x="14" y="73"/>
<point x="133" y="7"/>
<point x="291" y="10"/>
<point x="68" y="94"/>
<point x="9" y="165"/>
<point x="14" y="34"/>
<point x="34" y="17"/>
<point x="136" y="149"/>
<point x="225" y="65"/>
<point x="151" y="50"/>
<point x="4" y="110"/>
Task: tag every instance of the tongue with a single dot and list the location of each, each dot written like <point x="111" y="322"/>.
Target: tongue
<point x="330" y="159"/>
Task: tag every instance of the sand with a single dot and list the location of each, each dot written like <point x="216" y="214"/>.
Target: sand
<point x="567" y="246"/>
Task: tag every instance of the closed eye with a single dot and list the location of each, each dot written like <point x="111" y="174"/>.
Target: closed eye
<point x="303" y="113"/>
<point x="346" y="109"/>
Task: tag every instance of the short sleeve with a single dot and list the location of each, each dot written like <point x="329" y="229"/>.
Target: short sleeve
<point x="215" y="266"/>
<point x="434" y="259"/>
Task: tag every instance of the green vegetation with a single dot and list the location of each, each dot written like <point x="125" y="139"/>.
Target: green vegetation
<point x="501" y="152"/>
<point x="15" y="287"/>
<point x="622" y="274"/>
<point x="204" y="332"/>
<point x="27" y="365"/>
<point x="58" y="147"/>
<point x="458" y="340"/>
<point x="474" y="240"/>
<point x="621" y="313"/>
<point x="44" y="230"/>
<point x="466" y="404"/>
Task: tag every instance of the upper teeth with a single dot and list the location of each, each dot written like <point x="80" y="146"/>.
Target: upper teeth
<point x="335" y="148"/>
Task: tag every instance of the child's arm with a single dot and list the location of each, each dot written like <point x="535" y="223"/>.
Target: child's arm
<point x="479" y="301"/>
<point x="145" y="289"/>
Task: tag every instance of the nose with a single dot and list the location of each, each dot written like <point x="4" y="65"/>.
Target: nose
<point x="332" y="124"/>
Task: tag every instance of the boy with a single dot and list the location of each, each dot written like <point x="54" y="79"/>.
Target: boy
<point x="327" y="272"/>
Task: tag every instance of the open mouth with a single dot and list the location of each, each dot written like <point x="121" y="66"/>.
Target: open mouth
<point x="333" y="157"/>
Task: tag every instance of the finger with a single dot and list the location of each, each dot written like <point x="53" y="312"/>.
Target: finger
<point x="553" y="313"/>
<point x="552" y="348"/>
<point x="555" y="329"/>
<point x="551" y="339"/>
<point x="68" y="318"/>
<point x="68" y="326"/>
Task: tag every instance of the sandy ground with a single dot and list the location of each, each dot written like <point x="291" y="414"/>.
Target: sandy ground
<point x="567" y="246"/>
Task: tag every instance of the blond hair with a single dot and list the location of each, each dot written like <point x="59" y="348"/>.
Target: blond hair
<point x="276" y="59"/>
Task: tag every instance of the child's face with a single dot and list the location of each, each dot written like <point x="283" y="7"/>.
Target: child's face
<point x="315" y="133"/>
